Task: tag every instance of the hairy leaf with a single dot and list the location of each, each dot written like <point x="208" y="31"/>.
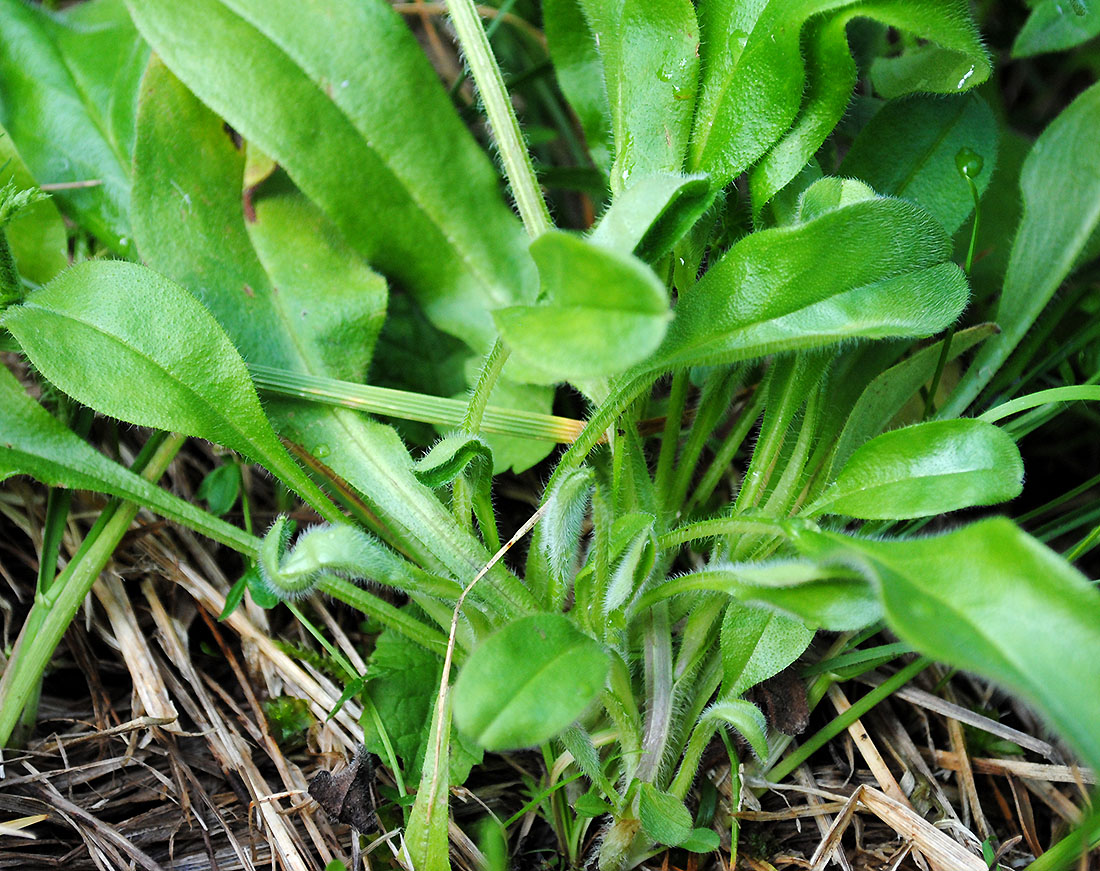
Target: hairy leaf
<point x="925" y="469"/>
<point x="527" y="682"/>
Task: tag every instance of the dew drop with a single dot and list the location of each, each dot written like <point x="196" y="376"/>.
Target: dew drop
<point x="969" y="163"/>
<point x="321" y="451"/>
<point x="664" y="74"/>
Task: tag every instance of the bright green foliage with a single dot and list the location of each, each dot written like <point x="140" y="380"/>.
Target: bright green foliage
<point x="909" y="150"/>
<point x="650" y="55"/>
<point x="930" y="468"/>
<point x="90" y="333"/>
<point x="36" y="233"/>
<point x="34" y="442"/>
<point x="351" y="133"/>
<point x="874" y="268"/>
<point x="663" y="816"/>
<point x="68" y="85"/>
<point x="578" y="334"/>
<point x="975" y="598"/>
<point x="302" y="185"/>
<point x="1060" y="184"/>
<point x="549" y="671"/>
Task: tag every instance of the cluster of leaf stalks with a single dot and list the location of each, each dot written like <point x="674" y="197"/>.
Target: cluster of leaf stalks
<point x="789" y="312"/>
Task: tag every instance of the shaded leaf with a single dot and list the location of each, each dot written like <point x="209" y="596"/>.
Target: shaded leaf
<point x="908" y="150"/>
<point x="1056" y="26"/>
<point x="758" y="643"/>
<point x="1060" y="184"/>
<point x="36" y="234"/>
<point x="65" y="83"/>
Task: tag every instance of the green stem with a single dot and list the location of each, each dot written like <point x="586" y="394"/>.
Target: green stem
<point x="54" y="611"/>
<point x="502" y="118"/>
<point x="670" y="439"/>
<point x="842" y="722"/>
<point x="1073" y="848"/>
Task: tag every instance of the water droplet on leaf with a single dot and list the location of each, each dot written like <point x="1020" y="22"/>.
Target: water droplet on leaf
<point x="969" y="163"/>
<point x="321" y="451"/>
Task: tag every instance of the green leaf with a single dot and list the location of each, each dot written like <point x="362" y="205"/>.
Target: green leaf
<point x="826" y="194"/>
<point x="66" y="82"/>
<point x="664" y="817"/>
<point x="702" y="841"/>
<point x="450" y="456"/>
<point x="220" y="488"/>
<point x="822" y="595"/>
<point x="580" y="74"/>
<point x="758" y="643"/>
<point x="527" y="682"/>
<point x="34" y="442"/>
<point x="926" y="469"/>
<point x="591" y="805"/>
<point x="350" y="133"/>
<point x="1056" y="26"/>
<point x="403" y="679"/>
<point x="653" y="214"/>
<point x="746" y="718"/>
<point x="650" y="55"/>
<point x="1060" y="185"/>
<point x="191" y="225"/>
<point x="604" y="312"/>
<point x="560" y="529"/>
<point x="990" y="599"/>
<point x="890" y="390"/>
<point x="130" y="343"/>
<point x="758" y="90"/>
<point x="873" y="268"/>
<point x="908" y="150"/>
<point x="36" y="233"/>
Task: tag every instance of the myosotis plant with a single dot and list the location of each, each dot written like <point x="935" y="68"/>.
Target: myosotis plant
<point x="793" y="323"/>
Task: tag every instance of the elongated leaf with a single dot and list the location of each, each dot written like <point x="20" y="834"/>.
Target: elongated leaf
<point x="826" y="596"/>
<point x="604" y="312"/>
<point x="759" y="89"/>
<point x="758" y="643"/>
<point x="1056" y="26"/>
<point x="191" y="225"/>
<point x="527" y="682"/>
<point x="664" y="817"/>
<point x="130" y="343"/>
<point x="351" y="133"/>
<point x="33" y="442"/>
<point x="58" y="93"/>
<point x="990" y="599"/>
<point x="908" y="150"/>
<point x="653" y="214"/>
<point x="1060" y="184"/>
<point x="580" y="74"/>
<point x="925" y="469"/>
<point x="874" y="268"/>
<point x="891" y="389"/>
<point x="36" y="234"/>
<point x="650" y="55"/>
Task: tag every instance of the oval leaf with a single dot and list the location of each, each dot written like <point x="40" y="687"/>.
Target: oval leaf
<point x="664" y="817"/>
<point x="130" y="343"/>
<point x="604" y="312"/>
<point x="527" y="682"/>
<point x="927" y="469"/>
